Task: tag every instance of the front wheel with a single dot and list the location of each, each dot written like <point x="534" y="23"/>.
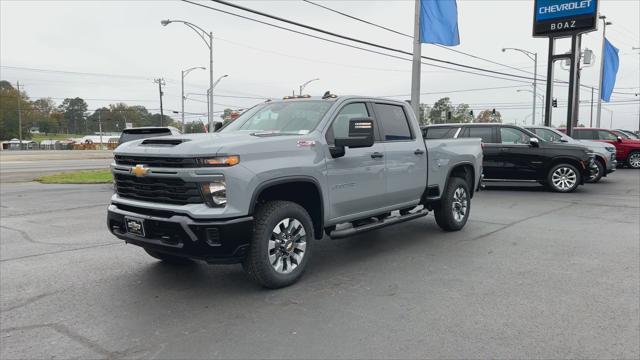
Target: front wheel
<point x="563" y="178"/>
<point x="634" y="160"/>
<point x="281" y="244"/>
<point x="455" y="204"/>
<point x="598" y="175"/>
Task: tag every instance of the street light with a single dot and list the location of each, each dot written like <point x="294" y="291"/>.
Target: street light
<point x="305" y="85"/>
<point x="540" y="96"/>
<point x="604" y="33"/>
<point x="207" y="37"/>
<point x="184" y="74"/>
<point x="211" y="95"/>
<point x="533" y="56"/>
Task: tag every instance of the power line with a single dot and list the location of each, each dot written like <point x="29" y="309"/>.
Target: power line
<point x="364" y="42"/>
<point x="411" y="37"/>
<point x="459" y="91"/>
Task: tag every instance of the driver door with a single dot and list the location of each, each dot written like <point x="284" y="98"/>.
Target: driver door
<point x="522" y="161"/>
<point x="356" y="181"/>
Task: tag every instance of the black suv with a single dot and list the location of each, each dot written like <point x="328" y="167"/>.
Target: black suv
<point x="512" y="153"/>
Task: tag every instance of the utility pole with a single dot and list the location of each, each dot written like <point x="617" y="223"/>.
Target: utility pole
<point x="100" y="126"/>
<point x="417" y="58"/>
<point x="591" y="120"/>
<point x="638" y="48"/>
<point x="604" y="33"/>
<point x="19" y="114"/>
<point x="160" y="82"/>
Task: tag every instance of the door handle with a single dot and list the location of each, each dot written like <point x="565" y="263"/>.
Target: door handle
<point x="377" y="155"/>
<point x="419" y="152"/>
<point x="504" y="149"/>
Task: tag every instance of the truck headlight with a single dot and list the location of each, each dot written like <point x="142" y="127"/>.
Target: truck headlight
<point x="215" y="193"/>
<point x="220" y="161"/>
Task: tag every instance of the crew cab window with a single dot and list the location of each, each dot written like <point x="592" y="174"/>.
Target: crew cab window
<point x="547" y="134"/>
<point x="584" y="134"/>
<point x="605" y="135"/>
<point x="394" y="122"/>
<point x="513" y="136"/>
<point x="483" y="132"/>
<point x="440" y="132"/>
<point x="340" y="126"/>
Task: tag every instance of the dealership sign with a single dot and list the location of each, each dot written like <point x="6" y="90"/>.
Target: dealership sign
<point x="558" y="18"/>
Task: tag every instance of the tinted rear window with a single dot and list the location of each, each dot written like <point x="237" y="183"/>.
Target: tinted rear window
<point x="583" y="134"/>
<point x="440" y="132"/>
<point x="394" y="122"/>
<point x="142" y="134"/>
<point x="483" y="132"/>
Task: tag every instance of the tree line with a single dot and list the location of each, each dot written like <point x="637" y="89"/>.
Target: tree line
<point x="443" y="111"/>
<point x="69" y="117"/>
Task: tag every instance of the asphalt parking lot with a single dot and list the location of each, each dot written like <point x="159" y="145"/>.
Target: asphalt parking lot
<point x="534" y="274"/>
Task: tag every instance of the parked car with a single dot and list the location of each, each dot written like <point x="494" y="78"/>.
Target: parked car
<point x="627" y="150"/>
<point x="512" y="153"/>
<point x="284" y="173"/>
<point x="147" y="132"/>
<point x="629" y="134"/>
<point x="605" y="154"/>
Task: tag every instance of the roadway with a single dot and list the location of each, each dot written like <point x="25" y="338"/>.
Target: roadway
<point x="17" y="166"/>
<point x="534" y="274"/>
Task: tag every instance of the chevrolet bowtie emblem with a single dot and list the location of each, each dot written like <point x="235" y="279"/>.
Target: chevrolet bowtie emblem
<point x="140" y="170"/>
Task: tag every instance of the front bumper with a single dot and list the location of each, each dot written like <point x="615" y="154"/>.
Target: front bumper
<point x="217" y="241"/>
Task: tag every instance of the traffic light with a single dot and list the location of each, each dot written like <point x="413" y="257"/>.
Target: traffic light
<point x="554" y="103"/>
<point x="448" y="116"/>
<point x="471" y="113"/>
<point x="493" y="112"/>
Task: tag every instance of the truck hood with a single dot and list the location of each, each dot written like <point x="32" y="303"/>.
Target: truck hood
<point x="190" y="145"/>
<point x="566" y="146"/>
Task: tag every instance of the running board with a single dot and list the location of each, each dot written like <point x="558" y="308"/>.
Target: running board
<point x="337" y="234"/>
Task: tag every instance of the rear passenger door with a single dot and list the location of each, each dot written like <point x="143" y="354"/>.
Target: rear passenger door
<point x="405" y="153"/>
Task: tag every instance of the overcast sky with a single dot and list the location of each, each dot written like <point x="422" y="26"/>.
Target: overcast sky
<point x="125" y="45"/>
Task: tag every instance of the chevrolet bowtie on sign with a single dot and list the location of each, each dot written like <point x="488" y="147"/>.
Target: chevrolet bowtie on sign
<point x="140" y="170"/>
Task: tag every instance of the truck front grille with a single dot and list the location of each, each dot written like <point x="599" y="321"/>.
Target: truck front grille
<point x="156" y="189"/>
<point x="151" y="161"/>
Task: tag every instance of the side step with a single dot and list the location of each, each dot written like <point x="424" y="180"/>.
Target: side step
<point x="337" y="234"/>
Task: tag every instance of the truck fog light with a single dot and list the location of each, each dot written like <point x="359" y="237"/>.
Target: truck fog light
<point x="215" y="193"/>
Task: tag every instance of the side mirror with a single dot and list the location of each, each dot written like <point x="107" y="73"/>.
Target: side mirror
<point x="534" y="142"/>
<point x="564" y="139"/>
<point x="619" y="138"/>
<point x="360" y="134"/>
<point x="217" y="126"/>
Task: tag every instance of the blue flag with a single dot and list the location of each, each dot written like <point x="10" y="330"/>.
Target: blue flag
<point x="611" y="64"/>
<point x="439" y="22"/>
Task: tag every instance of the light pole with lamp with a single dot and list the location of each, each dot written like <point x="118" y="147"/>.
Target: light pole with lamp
<point x="184" y="74"/>
<point x="305" y="85"/>
<point x="533" y="56"/>
<point x="604" y="33"/>
<point x="207" y="37"/>
<point x="539" y="96"/>
<point x="211" y="95"/>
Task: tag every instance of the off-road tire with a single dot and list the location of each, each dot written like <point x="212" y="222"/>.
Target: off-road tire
<point x="256" y="263"/>
<point x="599" y="174"/>
<point x="553" y="186"/>
<point x="169" y="259"/>
<point x="444" y="211"/>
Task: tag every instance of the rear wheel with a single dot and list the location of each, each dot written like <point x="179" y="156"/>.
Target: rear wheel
<point x="563" y="178"/>
<point x="281" y="244"/>
<point x="453" y="211"/>
<point x="598" y="175"/>
<point x="634" y="160"/>
<point x="169" y="259"/>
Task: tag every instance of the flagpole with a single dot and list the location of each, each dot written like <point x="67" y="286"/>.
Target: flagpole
<point x="604" y="34"/>
<point x="417" y="59"/>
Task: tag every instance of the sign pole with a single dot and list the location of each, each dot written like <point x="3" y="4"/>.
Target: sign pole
<point x="549" y="93"/>
<point x="574" y="83"/>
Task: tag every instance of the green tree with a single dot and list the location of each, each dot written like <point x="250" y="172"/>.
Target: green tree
<point x="439" y="111"/>
<point x="74" y="110"/>
<point x="43" y="109"/>
<point x="9" y="99"/>
<point x="194" y="127"/>
<point x="462" y="114"/>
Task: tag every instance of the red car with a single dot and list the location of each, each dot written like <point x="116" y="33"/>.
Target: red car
<point x="627" y="150"/>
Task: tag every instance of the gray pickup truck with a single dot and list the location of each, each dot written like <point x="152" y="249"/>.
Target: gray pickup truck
<point x="259" y="190"/>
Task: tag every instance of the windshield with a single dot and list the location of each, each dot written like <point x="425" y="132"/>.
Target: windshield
<point x="299" y="117"/>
